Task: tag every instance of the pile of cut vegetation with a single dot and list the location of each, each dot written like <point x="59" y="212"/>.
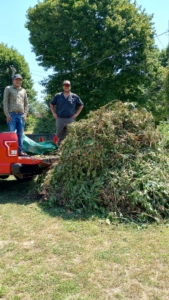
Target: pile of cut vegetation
<point x="112" y="162"/>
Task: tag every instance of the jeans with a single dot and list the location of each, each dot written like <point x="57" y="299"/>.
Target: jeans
<point x="17" y="124"/>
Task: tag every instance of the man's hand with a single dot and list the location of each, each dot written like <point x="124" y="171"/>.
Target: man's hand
<point x="75" y="116"/>
<point x="55" y="115"/>
<point x="24" y="117"/>
<point x="8" y="118"/>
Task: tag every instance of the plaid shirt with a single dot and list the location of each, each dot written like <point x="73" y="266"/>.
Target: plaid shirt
<point x="15" y="100"/>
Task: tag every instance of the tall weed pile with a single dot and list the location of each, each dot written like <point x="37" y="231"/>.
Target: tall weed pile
<point x="112" y="162"/>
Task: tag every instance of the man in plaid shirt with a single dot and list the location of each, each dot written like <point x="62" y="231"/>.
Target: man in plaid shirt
<point x="15" y="105"/>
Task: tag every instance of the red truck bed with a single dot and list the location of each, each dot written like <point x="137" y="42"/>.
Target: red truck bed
<point x="19" y="166"/>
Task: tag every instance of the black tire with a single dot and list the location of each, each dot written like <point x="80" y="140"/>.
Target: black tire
<point x="4" y="176"/>
<point x="24" y="178"/>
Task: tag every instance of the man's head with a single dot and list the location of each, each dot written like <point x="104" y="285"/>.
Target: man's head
<point x="17" y="80"/>
<point x="66" y="85"/>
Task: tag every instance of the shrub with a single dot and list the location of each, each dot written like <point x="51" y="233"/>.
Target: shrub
<point x="45" y="124"/>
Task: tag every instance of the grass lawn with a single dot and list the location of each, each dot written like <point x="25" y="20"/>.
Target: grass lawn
<point x="53" y="254"/>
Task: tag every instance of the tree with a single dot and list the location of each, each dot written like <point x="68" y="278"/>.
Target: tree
<point x="167" y="90"/>
<point x="10" y="56"/>
<point x="158" y="94"/>
<point x="106" y="48"/>
<point x="164" y="57"/>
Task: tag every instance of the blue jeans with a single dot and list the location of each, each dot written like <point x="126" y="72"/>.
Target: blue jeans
<point x="17" y="124"/>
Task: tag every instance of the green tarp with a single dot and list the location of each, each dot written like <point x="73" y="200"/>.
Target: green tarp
<point x="31" y="147"/>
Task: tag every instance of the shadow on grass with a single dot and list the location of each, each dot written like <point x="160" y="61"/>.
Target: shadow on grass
<point x="13" y="191"/>
<point x="24" y="193"/>
<point x="65" y="214"/>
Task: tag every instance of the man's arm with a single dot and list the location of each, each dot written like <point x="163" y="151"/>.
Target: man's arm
<point x="80" y="106"/>
<point x="52" y="108"/>
<point x="5" y="104"/>
<point x="25" y="106"/>
<point x="78" y="112"/>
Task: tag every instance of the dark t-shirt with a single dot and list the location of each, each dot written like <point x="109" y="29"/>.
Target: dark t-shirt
<point x="66" y="107"/>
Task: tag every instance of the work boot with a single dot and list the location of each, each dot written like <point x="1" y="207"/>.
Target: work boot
<point x="23" y="154"/>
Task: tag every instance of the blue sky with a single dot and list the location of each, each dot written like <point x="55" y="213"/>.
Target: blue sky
<point x="13" y="33"/>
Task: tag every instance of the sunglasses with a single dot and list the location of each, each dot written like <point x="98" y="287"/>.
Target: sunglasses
<point x="66" y="85"/>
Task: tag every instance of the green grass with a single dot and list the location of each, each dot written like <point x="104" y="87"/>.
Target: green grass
<point x="55" y="254"/>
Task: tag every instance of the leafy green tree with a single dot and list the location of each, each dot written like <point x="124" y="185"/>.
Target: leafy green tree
<point x="167" y="90"/>
<point x="106" y="48"/>
<point x="40" y="121"/>
<point x="10" y="56"/>
<point x="164" y="57"/>
<point x="158" y="93"/>
<point x="153" y="96"/>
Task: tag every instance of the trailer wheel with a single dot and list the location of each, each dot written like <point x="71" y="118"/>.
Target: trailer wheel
<point x="4" y="176"/>
<point x="23" y="178"/>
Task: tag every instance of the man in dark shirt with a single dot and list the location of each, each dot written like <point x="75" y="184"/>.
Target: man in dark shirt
<point x="68" y="107"/>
